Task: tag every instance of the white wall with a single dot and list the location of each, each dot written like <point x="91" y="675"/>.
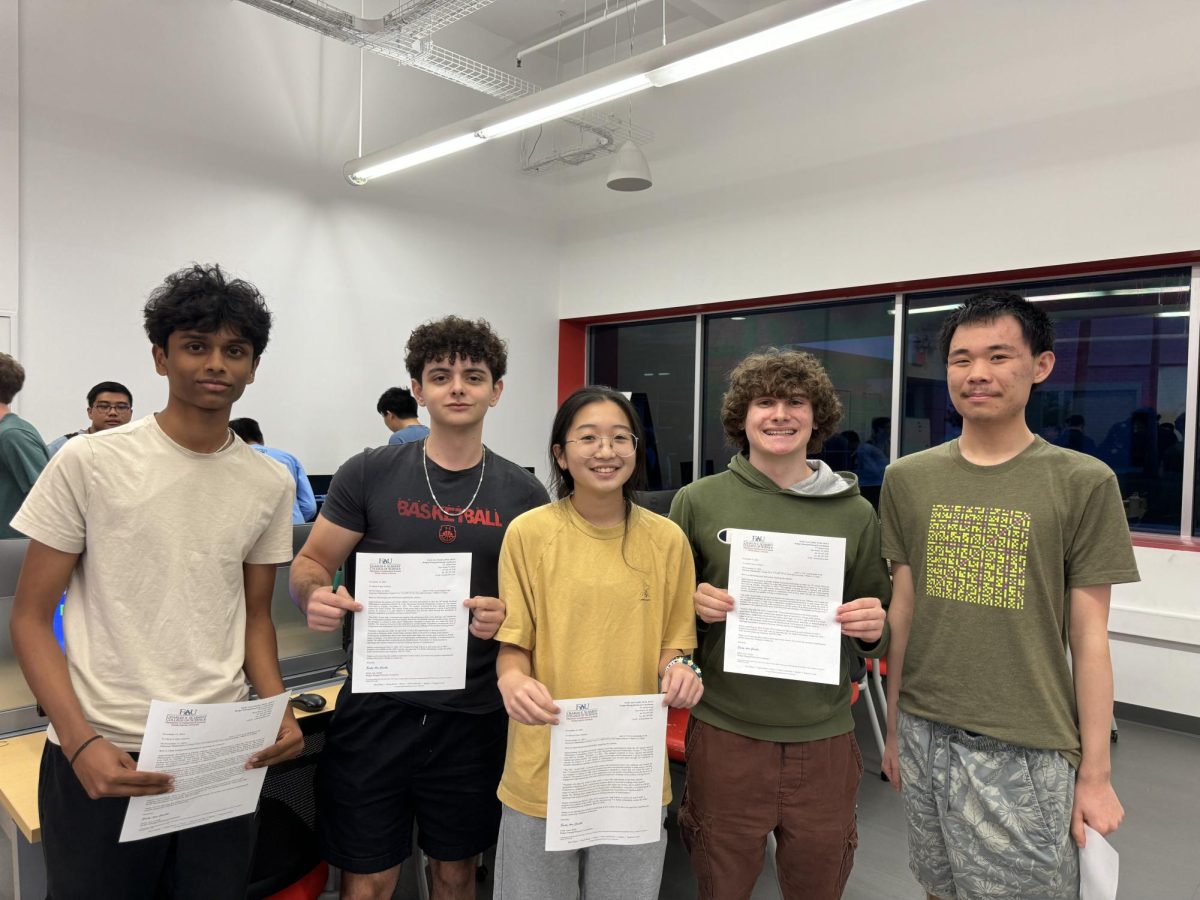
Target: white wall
<point x="9" y="155"/>
<point x="1155" y="629"/>
<point x="946" y="138"/>
<point x="153" y="134"/>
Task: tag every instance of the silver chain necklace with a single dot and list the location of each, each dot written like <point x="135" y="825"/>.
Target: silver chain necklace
<point x="428" y="484"/>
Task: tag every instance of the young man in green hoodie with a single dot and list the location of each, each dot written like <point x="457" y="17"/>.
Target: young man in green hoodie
<point x="770" y="754"/>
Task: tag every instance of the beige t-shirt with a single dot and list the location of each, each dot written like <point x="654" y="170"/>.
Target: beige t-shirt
<point x="595" y="607"/>
<point x="156" y="605"/>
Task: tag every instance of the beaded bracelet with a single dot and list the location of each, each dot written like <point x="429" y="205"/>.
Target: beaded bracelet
<point x="684" y="660"/>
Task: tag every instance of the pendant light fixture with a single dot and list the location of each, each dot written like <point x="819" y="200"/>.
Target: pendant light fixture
<point x="629" y="170"/>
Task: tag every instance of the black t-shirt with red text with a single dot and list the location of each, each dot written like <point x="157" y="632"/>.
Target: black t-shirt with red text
<point x="382" y="494"/>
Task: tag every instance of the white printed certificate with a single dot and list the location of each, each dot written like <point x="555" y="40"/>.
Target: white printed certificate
<point x="786" y="590"/>
<point x="205" y="746"/>
<point x="412" y="632"/>
<point x="606" y="772"/>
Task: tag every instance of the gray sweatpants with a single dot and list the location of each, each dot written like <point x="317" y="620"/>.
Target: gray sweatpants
<point x="526" y="870"/>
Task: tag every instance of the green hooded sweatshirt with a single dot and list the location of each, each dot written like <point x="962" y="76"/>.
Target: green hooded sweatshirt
<point x="776" y="709"/>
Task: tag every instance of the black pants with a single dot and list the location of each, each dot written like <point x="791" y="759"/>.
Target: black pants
<point x="84" y="859"/>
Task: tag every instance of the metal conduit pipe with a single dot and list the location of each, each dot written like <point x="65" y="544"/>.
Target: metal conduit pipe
<point x="570" y="32"/>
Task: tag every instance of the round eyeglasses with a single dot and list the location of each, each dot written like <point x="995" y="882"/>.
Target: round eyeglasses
<point x="622" y="443"/>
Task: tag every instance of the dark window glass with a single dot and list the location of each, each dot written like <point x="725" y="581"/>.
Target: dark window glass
<point x="1176" y="460"/>
<point x="655" y="363"/>
<point x="853" y="340"/>
<point x="1117" y="390"/>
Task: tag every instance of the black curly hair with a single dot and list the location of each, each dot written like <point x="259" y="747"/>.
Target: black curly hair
<point x="454" y="337"/>
<point x="201" y="298"/>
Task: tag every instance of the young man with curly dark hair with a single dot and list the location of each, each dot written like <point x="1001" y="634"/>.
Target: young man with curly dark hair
<point x="771" y="755"/>
<point x="432" y="756"/>
<point x="183" y="527"/>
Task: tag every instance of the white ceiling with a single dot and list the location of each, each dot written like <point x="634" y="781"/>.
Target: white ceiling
<point x="891" y="100"/>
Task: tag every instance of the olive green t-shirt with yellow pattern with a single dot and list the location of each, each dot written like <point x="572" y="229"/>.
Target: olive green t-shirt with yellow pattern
<point x="994" y="553"/>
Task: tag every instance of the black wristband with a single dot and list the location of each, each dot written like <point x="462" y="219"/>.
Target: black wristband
<point x="82" y="747"/>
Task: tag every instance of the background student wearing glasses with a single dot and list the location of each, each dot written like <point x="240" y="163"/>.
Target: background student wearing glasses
<point x="599" y="604"/>
<point x="110" y="404"/>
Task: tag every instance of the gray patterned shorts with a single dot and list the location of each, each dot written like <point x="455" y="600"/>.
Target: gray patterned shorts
<point x="986" y="819"/>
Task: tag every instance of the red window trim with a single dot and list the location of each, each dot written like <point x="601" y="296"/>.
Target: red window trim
<point x="1166" y="542"/>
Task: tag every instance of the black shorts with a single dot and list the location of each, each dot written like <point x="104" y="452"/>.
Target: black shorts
<point x="85" y="860"/>
<point x="387" y="763"/>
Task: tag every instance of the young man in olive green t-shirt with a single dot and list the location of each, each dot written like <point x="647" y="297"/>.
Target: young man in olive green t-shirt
<point x="1004" y="549"/>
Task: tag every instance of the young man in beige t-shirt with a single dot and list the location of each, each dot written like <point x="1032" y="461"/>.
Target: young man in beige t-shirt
<point x="168" y="531"/>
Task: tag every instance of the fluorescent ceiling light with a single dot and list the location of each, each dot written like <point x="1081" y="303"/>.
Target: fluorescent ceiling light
<point x="805" y="28"/>
<point x="414" y="158"/>
<point x="1116" y="292"/>
<point x="772" y="28"/>
<point x="930" y="309"/>
<point x="549" y="113"/>
<point x="1077" y="295"/>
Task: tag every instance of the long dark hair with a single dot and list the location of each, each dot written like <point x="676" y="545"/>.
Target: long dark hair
<point x="563" y="482"/>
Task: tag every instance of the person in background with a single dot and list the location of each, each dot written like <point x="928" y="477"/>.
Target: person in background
<point x="1004" y="550"/>
<point x="305" y="505"/>
<point x="22" y="453"/>
<point x="110" y="404"/>
<point x="399" y="410"/>
<point x="1074" y="437"/>
<point x="169" y="532"/>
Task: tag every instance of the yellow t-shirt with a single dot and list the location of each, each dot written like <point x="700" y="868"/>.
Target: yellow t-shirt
<point x="595" y="607"/>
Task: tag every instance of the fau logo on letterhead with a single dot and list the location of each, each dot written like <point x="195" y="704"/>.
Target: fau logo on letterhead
<point x="187" y="715"/>
<point x="582" y="712"/>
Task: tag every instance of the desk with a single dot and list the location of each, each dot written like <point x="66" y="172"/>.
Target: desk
<point x="20" y="762"/>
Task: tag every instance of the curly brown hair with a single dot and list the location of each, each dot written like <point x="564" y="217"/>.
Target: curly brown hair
<point x="780" y="373"/>
<point x="12" y="378"/>
<point x="454" y="337"/>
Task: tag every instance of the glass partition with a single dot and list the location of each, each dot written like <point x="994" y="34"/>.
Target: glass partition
<point x="853" y="340"/>
<point x="1117" y="391"/>
<point x="655" y="363"/>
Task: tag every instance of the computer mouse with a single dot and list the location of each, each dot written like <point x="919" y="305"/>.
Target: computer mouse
<point x="308" y="702"/>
